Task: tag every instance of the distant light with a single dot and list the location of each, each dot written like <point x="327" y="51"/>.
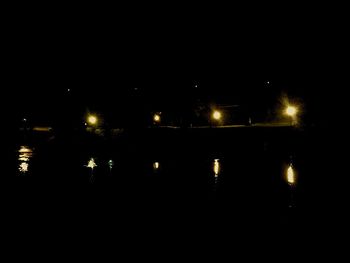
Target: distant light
<point x="156" y="165"/>
<point x="68" y="90"/>
<point x="156" y="117"/>
<point x="290" y="175"/>
<point x="92" y="120"/>
<point x="291" y="111"/>
<point x="24" y="119"/>
<point x="217" y="115"/>
<point x="216" y="167"/>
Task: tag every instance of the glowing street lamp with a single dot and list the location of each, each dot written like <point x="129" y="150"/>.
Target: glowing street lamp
<point x="92" y="119"/>
<point x="291" y="111"/>
<point x="217" y="115"/>
<point x="156" y="118"/>
<point x="156" y="165"/>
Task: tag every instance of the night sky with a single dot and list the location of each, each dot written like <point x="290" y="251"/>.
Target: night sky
<point x="122" y="64"/>
<point x="233" y="55"/>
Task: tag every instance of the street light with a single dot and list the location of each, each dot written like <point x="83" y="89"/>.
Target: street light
<point x="291" y="111"/>
<point x="156" y="165"/>
<point x="92" y="119"/>
<point x="217" y="115"/>
<point x="156" y="118"/>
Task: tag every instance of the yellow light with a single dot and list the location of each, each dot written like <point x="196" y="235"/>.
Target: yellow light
<point x="291" y="111"/>
<point x="91" y="164"/>
<point x="216" y="167"/>
<point x="25" y="153"/>
<point x="156" y="165"/>
<point x="156" y="117"/>
<point x="217" y="115"/>
<point x="23" y="167"/>
<point x="24" y="149"/>
<point x="23" y="158"/>
<point x="290" y="175"/>
<point x="92" y="119"/>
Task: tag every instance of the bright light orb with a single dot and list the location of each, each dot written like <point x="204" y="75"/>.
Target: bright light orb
<point x="291" y="111"/>
<point x="156" y="165"/>
<point x="92" y="120"/>
<point x="217" y="115"/>
<point x="156" y="117"/>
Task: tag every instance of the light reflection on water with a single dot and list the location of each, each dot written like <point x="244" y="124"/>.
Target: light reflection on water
<point x="25" y="154"/>
<point x="91" y="164"/>
<point x="156" y="166"/>
<point x="110" y="165"/>
<point x="219" y="181"/>
<point x="216" y="170"/>
<point x="216" y="167"/>
<point x="291" y="175"/>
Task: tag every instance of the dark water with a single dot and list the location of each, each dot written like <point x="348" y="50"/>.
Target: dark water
<point x="169" y="182"/>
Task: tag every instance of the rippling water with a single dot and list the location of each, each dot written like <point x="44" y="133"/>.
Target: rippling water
<point x="25" y="154"/>
<point x="154" y="180"/>
<point x="242" y="171"/>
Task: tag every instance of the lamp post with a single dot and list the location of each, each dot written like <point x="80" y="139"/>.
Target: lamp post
<point x="292" y="112"/>
<point x="92" y="120"/>
<point x="217" y="116"/>
<point x="157" y="118"/>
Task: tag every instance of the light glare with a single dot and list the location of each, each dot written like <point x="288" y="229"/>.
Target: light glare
<point x="217" y="115"/>
<point x="156" y="117"/>
<point x="92" y="119"/>
<point x="156" y="165"/>
<point x="291" y="111"/>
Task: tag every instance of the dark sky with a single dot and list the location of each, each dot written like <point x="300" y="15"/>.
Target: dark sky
<point x="165" y="52"/>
